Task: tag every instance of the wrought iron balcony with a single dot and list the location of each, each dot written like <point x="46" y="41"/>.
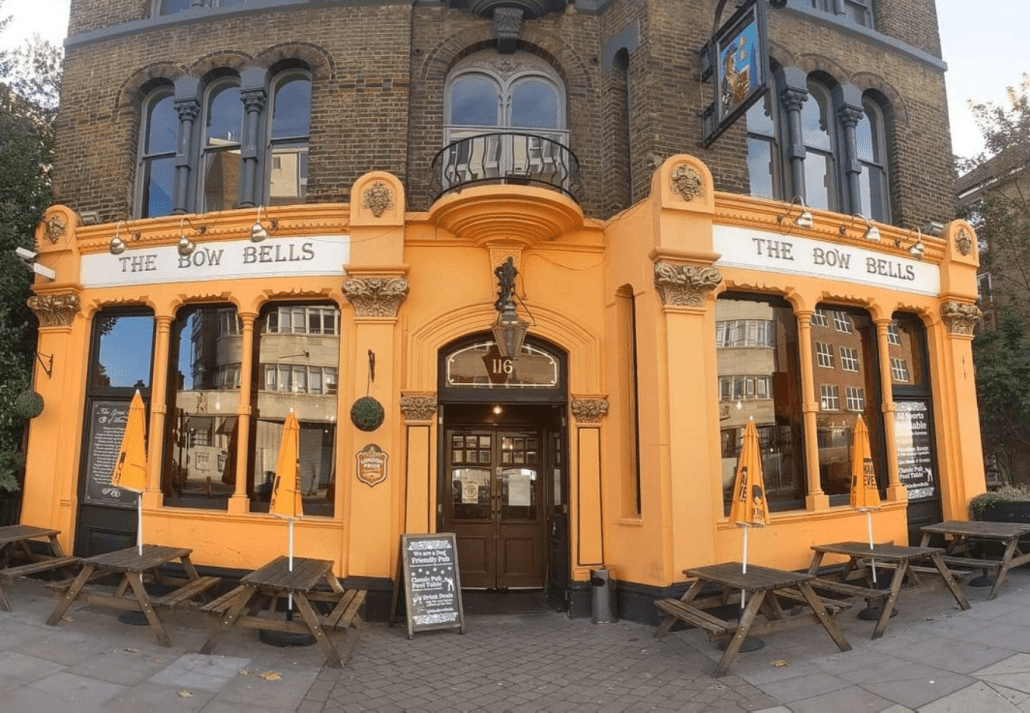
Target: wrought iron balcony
<point x="508" y="157"/>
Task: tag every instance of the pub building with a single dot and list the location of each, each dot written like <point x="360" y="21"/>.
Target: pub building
<point x="545" y="343"/>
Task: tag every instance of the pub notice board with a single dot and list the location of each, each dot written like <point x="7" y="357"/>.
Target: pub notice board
<point x="432" y="589"/>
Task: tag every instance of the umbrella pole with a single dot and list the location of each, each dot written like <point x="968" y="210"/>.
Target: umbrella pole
<point x="139" y="523"/>
<point x="289" y="597"/>
<point x="744" y="567"/>
<point x="869" y="522"/>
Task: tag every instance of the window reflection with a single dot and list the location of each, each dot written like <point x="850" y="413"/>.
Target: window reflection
<point x="906" y="339"/>
<point x="291" y="120"/>
<point x="757" y="348"/>
<point x="158" y="156"/>
<point x="224" y="128"/>
<point x="847" y="387"/>
<point x="124" y="352"/>
<point x="200" y="458"/>
<point x="298" y="353"/>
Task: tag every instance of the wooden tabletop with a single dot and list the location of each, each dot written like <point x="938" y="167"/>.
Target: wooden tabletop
<point x="976" y="528"/>
<point x="884" y="552"/>
<point x="756" y="579"/>
<point x="16" y="533"/>
<point x="276" y="575"/>
<point x="130" y="560"/>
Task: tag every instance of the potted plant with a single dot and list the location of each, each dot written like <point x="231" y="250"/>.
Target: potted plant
<point x="1009" y="503"/>
<point x="367" y="414"/>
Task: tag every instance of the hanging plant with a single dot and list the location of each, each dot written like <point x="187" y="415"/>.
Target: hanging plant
<point x="367" y="414"/>
<point x="27" y="405"/>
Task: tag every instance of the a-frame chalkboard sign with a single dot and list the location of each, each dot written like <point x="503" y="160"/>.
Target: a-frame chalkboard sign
<point x="428" y="568"/>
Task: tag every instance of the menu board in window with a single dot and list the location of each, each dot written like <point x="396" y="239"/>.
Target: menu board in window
<point x="432" y="589"/>
<point x="915" y="449"/>
<point x="106" y="425"/>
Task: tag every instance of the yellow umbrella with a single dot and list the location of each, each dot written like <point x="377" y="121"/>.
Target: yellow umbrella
<point x="865" y="495"/>
<point x="748" y="508"/>
<point x="286" y="499"/>
<point x="130" y="470"/>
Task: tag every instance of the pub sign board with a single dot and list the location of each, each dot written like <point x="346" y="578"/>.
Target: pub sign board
<point x="432" y="589"/>
<point x="737" y="60"/>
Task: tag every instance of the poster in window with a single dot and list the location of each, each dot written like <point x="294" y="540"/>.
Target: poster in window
<point x="915" y="449"/>
<point x="106" y="425"/>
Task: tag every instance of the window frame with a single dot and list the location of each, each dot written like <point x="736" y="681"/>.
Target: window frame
<point x="147" y="159"/>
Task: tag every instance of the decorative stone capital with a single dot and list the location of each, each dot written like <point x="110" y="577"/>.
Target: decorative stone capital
<point x="375" y="296"/>
<point x="687" y="182"/>
<point x="418" y="407"/>
<point x="850" y="116"/>
<point x="55" y="228"/>
<point x="963" y="242"/>
<point x="377" y="198"/>
<point x="54" y="310"/>
<point x="961" y="317"/>
<point x="254" y="100"/>
<point x="590" y="410"/>
<point x="793" y="99"/>
<point x="187" y="109"/>
<point x="685" y="285"/>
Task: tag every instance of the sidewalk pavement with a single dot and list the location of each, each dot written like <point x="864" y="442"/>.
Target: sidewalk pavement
<point x="934" y="658"/>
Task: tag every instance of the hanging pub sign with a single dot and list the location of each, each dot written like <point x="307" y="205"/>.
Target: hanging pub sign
<point x="736" y="61"/>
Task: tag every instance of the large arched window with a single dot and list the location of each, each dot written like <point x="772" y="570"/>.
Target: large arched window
<point x="818" y="136"/>
<point x="290" y="126"/>
<point x="509" y="118"/>
<point x="763" y="150"/>
<point x="872" y="153"/>
<point x="220" y="147"/>
<point x="157" y="153"/>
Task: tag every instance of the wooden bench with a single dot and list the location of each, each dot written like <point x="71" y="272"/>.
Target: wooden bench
<point x="185" y="593"/>
<point x="691" y="615"/>
<point x="992" y="566"/>
<point x="45" y="565"/>
<point x="832" y="606"/>
<point x="222" y="603"/>
<point x="345" y="613"/>
<point x="872" y="596"/>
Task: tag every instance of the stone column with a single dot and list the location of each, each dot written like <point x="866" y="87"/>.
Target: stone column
<point x="816" y="498"/>
<point x="239" y="502"/>
<point x="896" y="492"/>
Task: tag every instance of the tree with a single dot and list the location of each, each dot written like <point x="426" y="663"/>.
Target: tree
<point x="29" y="88"/>
<point x="996" y="189"/>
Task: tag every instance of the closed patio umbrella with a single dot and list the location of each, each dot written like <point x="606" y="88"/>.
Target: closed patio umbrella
<point x="865" y="495"/>
<point x="748" y="507"/>
<point x="286" y="501"/>
<point x="130" y="470"/>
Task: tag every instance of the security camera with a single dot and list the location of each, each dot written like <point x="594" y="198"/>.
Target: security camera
<point x="26" y="256"/>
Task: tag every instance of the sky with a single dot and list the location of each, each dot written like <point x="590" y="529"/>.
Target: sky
<point x="983" y="43"/>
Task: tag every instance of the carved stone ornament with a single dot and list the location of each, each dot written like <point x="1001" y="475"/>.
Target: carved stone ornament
<point x="418" y="407"/>
<point x="961" y="317"/>
<point x="378" y="199"/>
<point x="963" y="242"/>
<point x="589" y="410"/>
<point x="685" y="285"/>
<point x="375" y="296"/>
<point x="507" y="22"/>
<point x="55" y="228"/>
<point x="687" y="182"/>
<point x="54" y="310"/>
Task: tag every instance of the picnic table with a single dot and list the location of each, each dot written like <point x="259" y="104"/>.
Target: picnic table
<point x="889" y="557"/>
<point x="131" y="593"/>
<point x="962" y="536"/>
<point x="15" y="546"/>
<point x="275" y="581"/>
<point x="754" y="585"/>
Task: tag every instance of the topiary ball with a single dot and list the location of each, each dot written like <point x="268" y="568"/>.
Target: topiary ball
<point x="28" y="405"/>
<point x="367" y="414"/>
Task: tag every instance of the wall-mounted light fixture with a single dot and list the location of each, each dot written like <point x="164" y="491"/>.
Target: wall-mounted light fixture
<point x="803" y="218"/>
<point x="872" y="233"/>
<point x="187" y="246"/>
<point x="257" y="231"/>
<point x="117" y="244"/>
<point x="509" y="329"/>
<point x="918" y="249"/>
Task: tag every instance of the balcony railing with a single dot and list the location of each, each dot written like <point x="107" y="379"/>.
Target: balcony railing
<point x="513" y="158"/>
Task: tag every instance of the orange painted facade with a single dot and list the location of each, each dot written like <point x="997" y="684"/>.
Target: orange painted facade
<point x="638" y="466"/>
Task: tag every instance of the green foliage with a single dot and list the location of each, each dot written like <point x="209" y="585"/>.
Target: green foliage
<point x="1002" y="221"/>
<point x="367" y="414"/>
<point x="1005" y="494"/>
<point x="29" y="88"/>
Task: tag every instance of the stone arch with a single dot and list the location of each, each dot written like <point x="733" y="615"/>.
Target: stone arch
<point x="318" y="60"/>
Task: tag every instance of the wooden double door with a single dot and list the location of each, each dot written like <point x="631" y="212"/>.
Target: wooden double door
<point x="494" y="500"/>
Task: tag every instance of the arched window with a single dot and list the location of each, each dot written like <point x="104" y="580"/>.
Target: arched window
<point x="290" y="126"/>
<point x="220" y="147"/>
<point x="763" y="151"/>
<point x="817" y="134"/>
<point x="872" y="154"/>
<point x="157" y="154"/>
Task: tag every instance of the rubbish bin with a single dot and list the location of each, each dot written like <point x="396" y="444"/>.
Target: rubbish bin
<point x="602" y="583"/>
